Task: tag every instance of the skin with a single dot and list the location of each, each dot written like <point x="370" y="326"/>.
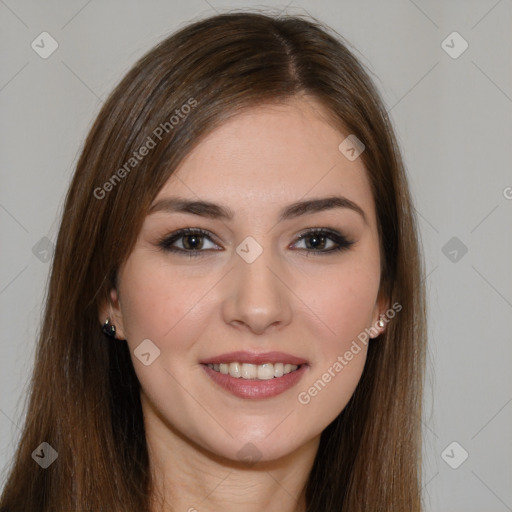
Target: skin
<point x="303" y="303"/>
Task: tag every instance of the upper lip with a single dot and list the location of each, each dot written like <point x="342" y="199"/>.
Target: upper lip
<point x="254" y="358"/>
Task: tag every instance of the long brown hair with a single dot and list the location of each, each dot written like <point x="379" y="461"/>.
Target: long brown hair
<point x="84" y="395"/>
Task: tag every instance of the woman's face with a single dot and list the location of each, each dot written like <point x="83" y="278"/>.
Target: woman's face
<point x="252" y="285"/>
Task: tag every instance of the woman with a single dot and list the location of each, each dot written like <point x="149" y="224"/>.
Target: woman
<point x="235" y="314"/>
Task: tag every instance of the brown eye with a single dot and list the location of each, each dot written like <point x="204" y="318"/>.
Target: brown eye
<point x="191" y="240"/>
<point x="318" y="241"/>
<point x="324" y="241"/>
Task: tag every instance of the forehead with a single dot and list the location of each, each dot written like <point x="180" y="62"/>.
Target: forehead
<point x="268" y="156"/>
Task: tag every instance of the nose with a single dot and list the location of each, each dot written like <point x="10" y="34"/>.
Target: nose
<point x="258" y="297"/>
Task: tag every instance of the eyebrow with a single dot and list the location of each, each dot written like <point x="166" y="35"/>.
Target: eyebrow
<point x="215" y="211"/>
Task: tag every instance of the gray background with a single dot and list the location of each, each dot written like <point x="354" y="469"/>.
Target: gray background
<point x="453" y="121"/>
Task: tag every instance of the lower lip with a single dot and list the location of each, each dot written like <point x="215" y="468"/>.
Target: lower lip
<point x="256" y="389"/>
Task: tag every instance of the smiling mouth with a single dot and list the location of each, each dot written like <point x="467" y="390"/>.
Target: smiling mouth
<point x="248" y="371"/>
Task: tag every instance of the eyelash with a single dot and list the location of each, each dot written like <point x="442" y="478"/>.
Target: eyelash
<point x="166" y="242"/>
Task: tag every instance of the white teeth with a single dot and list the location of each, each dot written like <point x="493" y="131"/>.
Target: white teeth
<point x="264" y="371"/>
<point x="278" y="370"/>
<point x="235" y="370"/>
<point x="249" y="371"/>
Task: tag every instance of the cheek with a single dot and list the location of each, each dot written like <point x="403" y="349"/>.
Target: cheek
<point x="344" y="299"/>
<point x="348" y="306"/>
<point x="163" y="305"/>
<point x="345" y="308"/>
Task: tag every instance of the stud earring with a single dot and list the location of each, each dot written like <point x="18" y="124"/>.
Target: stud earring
<point x="381" y="323"/>
<point x="109" y="329"/>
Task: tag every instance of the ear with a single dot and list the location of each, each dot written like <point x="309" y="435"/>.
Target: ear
<point x="112" y="309"/>
<point x="381" y="306"/>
